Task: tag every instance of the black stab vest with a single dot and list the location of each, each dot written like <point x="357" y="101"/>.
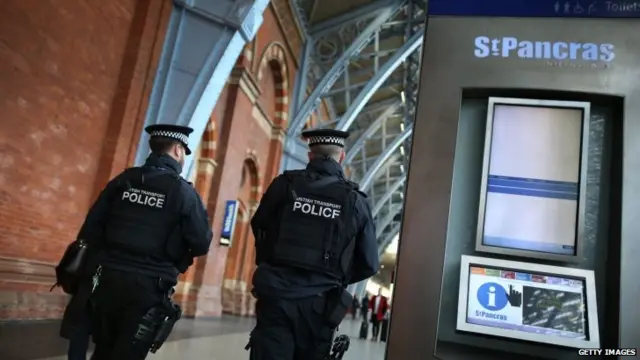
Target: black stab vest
<point x="143" y="213"/>
<point x="315" y="231"/>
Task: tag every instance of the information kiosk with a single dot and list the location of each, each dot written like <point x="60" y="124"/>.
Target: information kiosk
<point x="516" y="241"/>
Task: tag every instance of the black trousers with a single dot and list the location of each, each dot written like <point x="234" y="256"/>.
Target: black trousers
<point x="364" y="311"/>
<point x="121" y="301"/>
<point x="78" y="347"/>
<point x="375" y="327"/>
<point x="291" y="330"/>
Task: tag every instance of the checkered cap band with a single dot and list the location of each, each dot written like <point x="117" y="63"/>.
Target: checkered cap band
<point x="173" y="135"/>
<point x="330" y="140"/>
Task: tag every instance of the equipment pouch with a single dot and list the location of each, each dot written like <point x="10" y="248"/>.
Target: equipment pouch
<point x="338" y="302"/>
<point x="147" y="329"/>
<point x="166" y="326"/>
<point x="340" y="346"/>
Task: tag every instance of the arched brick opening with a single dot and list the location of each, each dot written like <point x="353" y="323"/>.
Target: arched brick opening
<point x="205" y="161"/>
<point x="236" y="287"/>
<point x="253" y="164"/>
<point x="209" y="141"/>
<point x="274" y="59"/>
<point x="204" y="169"/>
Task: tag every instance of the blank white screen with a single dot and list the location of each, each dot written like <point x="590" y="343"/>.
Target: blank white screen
<point x="536" y="143"/>
<point x="537" y="150"/>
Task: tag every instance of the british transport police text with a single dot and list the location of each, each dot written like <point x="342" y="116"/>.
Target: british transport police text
<point x="317" y="208"/>
<point x="143" y="197"/>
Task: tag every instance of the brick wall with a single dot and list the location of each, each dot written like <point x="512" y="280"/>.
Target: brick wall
<point x="73" y="79"/>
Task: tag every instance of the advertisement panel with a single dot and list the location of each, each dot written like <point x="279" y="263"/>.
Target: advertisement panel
<point x="229" y="222"/>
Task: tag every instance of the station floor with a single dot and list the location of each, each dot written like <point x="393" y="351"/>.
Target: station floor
<point x="219" y="339"/>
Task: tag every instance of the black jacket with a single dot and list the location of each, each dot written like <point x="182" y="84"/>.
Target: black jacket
<point x="275" y="281"/>
<point x="196" y="234"/>
<point x="195" y="231"/>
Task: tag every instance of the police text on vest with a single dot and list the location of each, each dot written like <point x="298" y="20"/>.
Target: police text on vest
<point x="143" y="197"/>
<point x="317" y="208"/>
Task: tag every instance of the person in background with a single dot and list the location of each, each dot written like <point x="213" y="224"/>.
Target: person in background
<point x="364" y="308"/>
<point x="378" y="306"/>
<point x="354" y="307"/>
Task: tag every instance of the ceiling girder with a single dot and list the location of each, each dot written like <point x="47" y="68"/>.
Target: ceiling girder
<point x="349" y="66"/>
<point x="382" y="225"/>
<point x="355" y="148"/>
<point x="329" y="79"/>
<point x="374" y="84"/>
<point x="359" y="14"/>
<point x="390" y="191"/>
<point x="384" y="157"/>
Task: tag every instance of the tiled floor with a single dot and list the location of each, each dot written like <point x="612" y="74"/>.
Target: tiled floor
<point x="222" y="339"/>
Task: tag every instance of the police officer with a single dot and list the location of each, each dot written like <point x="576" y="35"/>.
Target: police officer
<point x="149" y="223"/>
<point x="314" y="236"/>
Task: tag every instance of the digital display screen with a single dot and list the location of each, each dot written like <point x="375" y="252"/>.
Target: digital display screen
<point x="527" y="302"/>
<point x="533" y="179"/>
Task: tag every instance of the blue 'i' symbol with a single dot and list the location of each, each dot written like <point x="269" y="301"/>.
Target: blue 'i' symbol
<point x="492" y="296"/>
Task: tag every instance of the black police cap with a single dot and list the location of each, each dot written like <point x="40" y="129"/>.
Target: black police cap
<point x="175" y="132"/>
<point x="325" y="137"/>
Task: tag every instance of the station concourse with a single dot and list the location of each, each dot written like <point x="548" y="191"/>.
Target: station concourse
<point x="79" y="80"/>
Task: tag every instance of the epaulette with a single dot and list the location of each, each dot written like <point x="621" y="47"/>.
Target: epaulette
<point x="356" y="188"/>
<point x="184" y="181"/>
<point x="290" y="174"/>
<point x="354" y="185"/>
<point x="129" y="170"/>
<point x="294" y="172"/>
<point x="126" y="176"/>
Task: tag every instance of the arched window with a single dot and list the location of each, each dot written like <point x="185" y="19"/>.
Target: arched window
<point x="243" y="176"/>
